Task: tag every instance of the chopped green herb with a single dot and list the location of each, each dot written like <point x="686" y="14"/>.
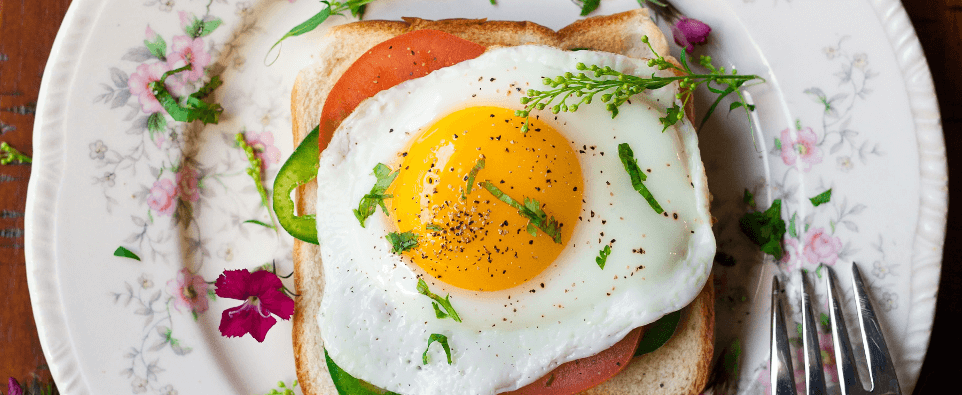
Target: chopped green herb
<point x="254" y="171"/>
<point x="192" y="108"/>
<point x="356" y="7"/>
<point x="616" y="88"/>
<point x="402" y="241"/>
<point x="471" y="176"/>
<point x="749" y="199"/>
<point x="434" y="227"/>
<point x="603" y="257"/>
<point x="125" y="253"/>
<point x="587" y="6"/>
<point x="9" y="154"/>
<point x="531" y="209"/>
<point x="822" y="198"/>
<point x="766" y="229"/>
<point x="445" y="303"/>
<point x="637" y="176"/>
<point x="437" y="337"/>
<point x="369" y="202"/>
<point x="347" y="384"/>
<point x="792" y="227"/>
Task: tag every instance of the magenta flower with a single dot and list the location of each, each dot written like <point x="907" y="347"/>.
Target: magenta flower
<point x="187" y="183"/>
<point x="189" y="291"/>
<point x="803" y="148"/>
<point x="688" y="31"/>
<point x="263" y="145"/>
<point x="186" y="50"/>
<point x="13" y="387"/>
<point x="263" y="298"/>
<point x="820" y="247"/>
<point x="139" y="85"/>
<point x="163" y="197"/>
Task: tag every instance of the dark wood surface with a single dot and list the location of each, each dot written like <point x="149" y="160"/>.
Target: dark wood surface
<point x="27" y="31"/>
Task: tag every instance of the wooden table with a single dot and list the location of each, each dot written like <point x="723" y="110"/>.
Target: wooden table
<point x="27" y="31"/>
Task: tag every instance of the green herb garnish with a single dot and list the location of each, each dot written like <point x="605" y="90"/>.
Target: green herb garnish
<point x="531" y="209"/>
<point x="254" y="171"/>
<point x="369" y="202"/>
<point x="470" y="178"/>
<point x="401" y="242"/>
<point x="766" y="229"/>
<point x="603" y="257"/>
<point x="125" y="253"/>
<point x="190" y="108"/>
<point x="437" y="337"/>
<point x="616" y="88"/>
<point x="822" y="198"/>
<point x="9" y="154"/>
<point x="434" y="227"/>
<point x="658" y="333"/>
<point x="283" y="389"/>
<point x="356" y="7"/>
<point x="445" y="303"/>
<point x="347" y="384"/>
<point x="587" y="6"/>
<point x="637" y="176"/>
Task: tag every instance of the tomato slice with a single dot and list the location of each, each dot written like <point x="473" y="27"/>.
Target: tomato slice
<point x="410" y="55"/>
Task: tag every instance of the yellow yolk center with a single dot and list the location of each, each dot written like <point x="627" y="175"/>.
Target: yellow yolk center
<point x="474" y="240"/>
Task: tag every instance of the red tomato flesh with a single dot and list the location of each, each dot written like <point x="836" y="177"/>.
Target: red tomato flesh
<point x="415" y="54"/>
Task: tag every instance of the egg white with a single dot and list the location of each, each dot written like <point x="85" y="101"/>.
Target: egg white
<point x="375" y="325"/>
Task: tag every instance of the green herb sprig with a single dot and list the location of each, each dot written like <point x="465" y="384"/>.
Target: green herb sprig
<point x="401" y="242"/>
<point x="531" y="209"/>
<point x="357" y="8"/>
<point x="437" y="337"/>
<point x="192" y="107"/>
<point x="9" y="154"/>
<point x="254" y="171"/>
<point x="616" y="88"/>
<point x="470" y="178"/>
<point x="444" y="303"/>
<point x="368" y="204"/>
<point x="637" y="176"/>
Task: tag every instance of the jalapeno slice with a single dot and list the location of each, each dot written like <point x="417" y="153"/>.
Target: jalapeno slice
<point x="299" y="169"/>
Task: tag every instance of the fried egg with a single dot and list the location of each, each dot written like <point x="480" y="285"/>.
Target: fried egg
<point x="528" y="301"/>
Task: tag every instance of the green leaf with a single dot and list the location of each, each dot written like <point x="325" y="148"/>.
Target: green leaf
<point x="300" y="168"/>
<point x="766" y="229"/>
<point x="587" y="6"/>
<point x="673" y="114"/>
<point x="158" y="47"/>
<point x="821" y="198"/>
<point x="445" y="303"/>
<point x="156" y="123"/>
<point x="531" y="209"/>
<point x="778" y="144"/>
<point x="347" y="384"/>
<point x="256" y="222"/>
<point x="208" y="26"/>
<point x="471" y="176"/>
<point x="637" y="176"/>
<point x="368" y="204"/>
<point x="307" y="26"/>
<point x="603" y="257"/>
<point x="434" y="227"/>
<point x="125" y="253"/>
<point x="792" y="231"/>
<point x="443" y="340"/>
<point x="658" y="333"/>
<point x="401" y="242"/>
<point x="749" y="199"/>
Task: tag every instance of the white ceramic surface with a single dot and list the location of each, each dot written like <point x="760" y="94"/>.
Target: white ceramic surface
<point x="848" y="96"/>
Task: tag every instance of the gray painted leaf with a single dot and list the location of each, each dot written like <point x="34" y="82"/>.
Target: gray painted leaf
<point x="857" y="209"/>
<point x="119" y="77"/>
<point x="138" y="126"/>
<point x="121" y="98"/>
<point x="835" y="147"/>
<point x="850" y="225"/>
<point x="138" y="54"/>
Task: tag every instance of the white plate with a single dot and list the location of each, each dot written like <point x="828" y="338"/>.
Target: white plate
<point x="103" y="179"/>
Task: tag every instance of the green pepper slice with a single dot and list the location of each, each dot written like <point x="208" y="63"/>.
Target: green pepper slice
<point x="299" y="169"/>
<point x="658" y="333"/>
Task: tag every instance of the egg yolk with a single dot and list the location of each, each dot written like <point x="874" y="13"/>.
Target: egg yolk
<point x="474" y="239"/>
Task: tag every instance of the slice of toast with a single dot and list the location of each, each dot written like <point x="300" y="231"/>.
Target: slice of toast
<point x="679" y="367"/>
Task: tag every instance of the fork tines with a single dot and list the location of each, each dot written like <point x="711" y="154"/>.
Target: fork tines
<point x="881" y="368"/>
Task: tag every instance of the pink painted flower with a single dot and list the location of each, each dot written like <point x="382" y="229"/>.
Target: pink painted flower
<point x="263" y="298"/>
<point x="790" y="258"/>
<point x="186" y="50"/>
<point x="187" y="183"/>
<point x="803" y="148"/>
<point x="821" y="247"/>
<point x="826" y="348"/>
<point x="687" y="32"/>
<point x="151" y="35"/>
<point x="186" y="19"/>
<point x="263" y="145"/>
<point x="13" y="387"/>
<point x="139" y="84"/>
<point x="189" y="291"/>
<point x="163" y="197"/>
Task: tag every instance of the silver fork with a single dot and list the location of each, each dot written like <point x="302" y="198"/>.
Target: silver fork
<point x="881" y="370"/>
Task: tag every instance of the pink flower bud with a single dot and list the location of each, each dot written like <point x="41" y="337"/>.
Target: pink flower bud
<point x="688" y="31"/>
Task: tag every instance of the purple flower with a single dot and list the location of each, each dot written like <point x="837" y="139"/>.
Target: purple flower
<point x="13" y="387"/>
<point x="688" y="31"/>
<point x="263" y="298"/>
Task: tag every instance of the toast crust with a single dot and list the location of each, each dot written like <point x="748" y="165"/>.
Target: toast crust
<point x="343" y="44"/>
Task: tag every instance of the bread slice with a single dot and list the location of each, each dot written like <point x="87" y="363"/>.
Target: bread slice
<point x="679" y="367"/>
